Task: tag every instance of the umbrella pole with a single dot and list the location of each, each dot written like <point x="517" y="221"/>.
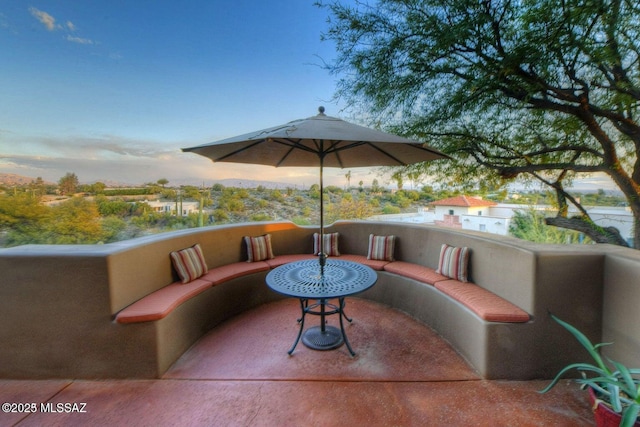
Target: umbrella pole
<point x="322" y="257"/>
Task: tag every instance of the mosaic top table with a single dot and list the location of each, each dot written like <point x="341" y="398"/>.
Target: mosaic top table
<point x="309" y="280"/>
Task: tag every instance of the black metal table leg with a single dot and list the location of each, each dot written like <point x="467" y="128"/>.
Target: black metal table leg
<point x="345" y="314"/>
<point x="344" y="334"/>
<point x="303" y="303"/>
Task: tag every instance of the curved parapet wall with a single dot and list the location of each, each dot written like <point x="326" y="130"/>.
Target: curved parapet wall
<point x="57" y="303"/>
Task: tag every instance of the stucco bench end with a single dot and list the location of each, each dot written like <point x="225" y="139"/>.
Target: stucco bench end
<point x="160" y="303"/>
<point x="484" y="303"/>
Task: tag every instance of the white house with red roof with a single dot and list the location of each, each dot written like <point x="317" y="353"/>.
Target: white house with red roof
<point x="475" y="213"/>
<point x="469" y="213"/>
<point x="465" y="212"/>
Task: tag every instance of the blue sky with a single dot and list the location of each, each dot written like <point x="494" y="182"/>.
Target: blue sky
<point x="112" y="89"/>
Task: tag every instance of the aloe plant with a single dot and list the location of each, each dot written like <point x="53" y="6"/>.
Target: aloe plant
<point x="613" y="382"/>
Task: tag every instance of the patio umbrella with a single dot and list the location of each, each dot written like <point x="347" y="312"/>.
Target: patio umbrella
<point x="321" y="141"/>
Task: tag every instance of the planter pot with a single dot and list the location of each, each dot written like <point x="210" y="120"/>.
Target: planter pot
<point x="604" y="415"/>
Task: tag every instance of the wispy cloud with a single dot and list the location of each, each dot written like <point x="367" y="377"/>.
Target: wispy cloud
<point x="131" y="161"/>
<point x="79" y="40"/>
<point x="88" y="147"/>
<point x="47" y="20"/>
<point x="50" y="24"/>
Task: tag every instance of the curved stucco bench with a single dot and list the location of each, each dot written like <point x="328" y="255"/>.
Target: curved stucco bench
<point x="163" y="301"/>
<point x="486" y="306"/>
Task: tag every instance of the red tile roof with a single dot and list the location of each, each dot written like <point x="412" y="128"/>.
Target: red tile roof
<point x="463" y="201"/>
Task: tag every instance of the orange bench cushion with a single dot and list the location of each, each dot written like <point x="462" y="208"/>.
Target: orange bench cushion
<point x="415" y="271"/>
<point x="285" y="259"/>
<point x="484" y="303"/>
<point x="161" y="302"/>
<point x="231" y="271"/>
<point x="362" y="259"/>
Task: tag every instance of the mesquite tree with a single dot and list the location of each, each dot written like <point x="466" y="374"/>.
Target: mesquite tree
<point x="544" y="90"/>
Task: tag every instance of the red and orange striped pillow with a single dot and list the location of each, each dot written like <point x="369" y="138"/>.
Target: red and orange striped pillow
<point x="330" y="247"/>
<point x="189" y="263"/>
<point x="381" y="247"/>
<point x="259" y="248"/>
<point x="453" y="262"/>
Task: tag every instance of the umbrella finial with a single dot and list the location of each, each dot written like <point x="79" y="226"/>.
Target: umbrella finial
<point x="321" y="110"/>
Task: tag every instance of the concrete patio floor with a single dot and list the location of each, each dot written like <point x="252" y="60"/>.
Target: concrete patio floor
<point x="239" y="374"/>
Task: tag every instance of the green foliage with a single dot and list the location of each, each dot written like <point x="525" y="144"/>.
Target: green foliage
<point x="169" y="193"/>
<point x="375" y="187"/>
<point x="530" y="225"/>
<point x="261" y="217"/>
<point x="400" y="199"/>
<point x="23" y="217"/>
<point x="276" y="196"/>
<point x="390" y="209"/>
<point x="220" y="216"/>
<point x="114" y="192"/>
<point x="543" y="91"/>
<point x="68" y="184"/>
<point x="613" y="382"/>
<point x="190" y="192"/>
<point x="348" y="209"/>
<point x="298" y="220"/>
<point x="333" y="189"/>
<point x="95" y="188"/>
<point x="113" y="229"/>
<point x="113" y="207"/>
<point x="235" y="205"/>
<point x="314" y="191"/>
<point x="75" y="221"/>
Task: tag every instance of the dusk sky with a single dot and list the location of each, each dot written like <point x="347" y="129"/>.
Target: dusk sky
<point x="112" y="89"/>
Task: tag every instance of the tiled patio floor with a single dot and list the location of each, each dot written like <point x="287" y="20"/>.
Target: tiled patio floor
<point x="240" y="375"/>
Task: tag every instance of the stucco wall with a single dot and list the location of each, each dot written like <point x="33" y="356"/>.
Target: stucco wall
<point x="57" y="302"/>
<point x="621" y="305"/>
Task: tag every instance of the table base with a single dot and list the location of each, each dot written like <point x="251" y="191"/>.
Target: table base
<point x="323" y="337"/>
<point x="329" y="339"/>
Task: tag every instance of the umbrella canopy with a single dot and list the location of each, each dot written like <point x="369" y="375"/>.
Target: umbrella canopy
<point x="321" y="141"/>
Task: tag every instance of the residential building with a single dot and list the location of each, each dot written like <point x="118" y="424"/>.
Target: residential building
<point x="474" y="213"/>
<point x="184" y="208"/>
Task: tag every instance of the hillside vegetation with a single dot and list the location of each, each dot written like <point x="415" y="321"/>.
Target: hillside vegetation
<point x="69" y="213"/>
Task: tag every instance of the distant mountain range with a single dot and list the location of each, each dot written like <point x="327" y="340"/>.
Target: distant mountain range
<point x="10" y="179"/>
<point x="14" y="179"/>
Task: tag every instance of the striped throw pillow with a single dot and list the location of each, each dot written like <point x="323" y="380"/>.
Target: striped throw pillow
<point x="381" y="247"/>
<point x="259" y="248"/>
<point x="330" y="247"/>
<point x="189" y="263"/>
<point x="453" y="262"/>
